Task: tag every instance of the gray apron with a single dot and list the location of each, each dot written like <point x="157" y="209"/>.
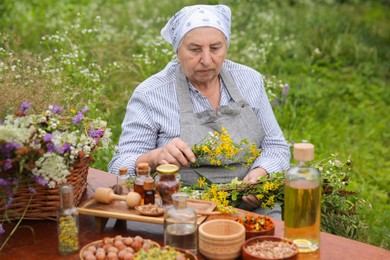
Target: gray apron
<point x="238" y="118"/>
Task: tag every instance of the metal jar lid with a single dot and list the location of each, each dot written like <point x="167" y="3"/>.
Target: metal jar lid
<point x="167" y="169"/>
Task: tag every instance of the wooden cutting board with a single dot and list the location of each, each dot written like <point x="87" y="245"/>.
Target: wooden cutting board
<point x="119" y="210"/>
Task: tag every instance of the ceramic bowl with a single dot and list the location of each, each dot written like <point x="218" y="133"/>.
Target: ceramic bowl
<point x="256" y="248"/>
<point x="257" y="222"/>
<point x="221" y="239"/>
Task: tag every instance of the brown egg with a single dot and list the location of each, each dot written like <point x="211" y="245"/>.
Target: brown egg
<point x="128" y="241"/>
<point x="112" y="249"/>
<point x="106" y="247"/>
<point x="139" y="238"/>
<point x="118" y="243"/>
<point x="121" y="254"/>
<point x="108" y="240"/>
<point x="118" y="237"/>
<point x="133" y="199"/>
<point x="129" y="250"/>
<point x="92" y="249"/>
<point x="100" y="255"/>
<point x="90" y="257"/>
<point x="87" y="253"/>
<point x="136" y="245"/>
<point x="100" y="250"/>
<point x="128" y="256"/>
<point x="112" y="256"/>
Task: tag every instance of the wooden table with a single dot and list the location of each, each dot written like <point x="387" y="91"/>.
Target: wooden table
<point x="22" y="246"/>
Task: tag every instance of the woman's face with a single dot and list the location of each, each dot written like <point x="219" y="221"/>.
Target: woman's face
<point x="201" y="55"/>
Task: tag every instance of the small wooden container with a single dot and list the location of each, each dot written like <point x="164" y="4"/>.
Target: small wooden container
<point x="221" y="239"/>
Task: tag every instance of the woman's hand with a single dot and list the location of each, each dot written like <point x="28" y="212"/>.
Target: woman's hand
<point x="176" y="152"/>
<point x="252" y="177"/>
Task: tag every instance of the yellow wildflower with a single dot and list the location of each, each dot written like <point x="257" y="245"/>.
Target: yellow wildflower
<point x="201" y="181"/>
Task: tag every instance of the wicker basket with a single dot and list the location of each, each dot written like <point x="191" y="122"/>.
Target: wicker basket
<point x="45" y="202"/>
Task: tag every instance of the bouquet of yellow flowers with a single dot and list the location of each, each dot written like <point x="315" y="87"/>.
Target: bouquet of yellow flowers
<point x="218" y="149"/>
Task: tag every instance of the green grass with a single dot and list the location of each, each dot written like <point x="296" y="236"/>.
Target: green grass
<point x="333" y="54"/>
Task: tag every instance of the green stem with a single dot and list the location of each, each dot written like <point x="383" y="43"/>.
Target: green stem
<point x="17" y="225"/>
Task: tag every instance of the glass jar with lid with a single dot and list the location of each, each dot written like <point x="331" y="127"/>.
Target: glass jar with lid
<point x="168" y="183"/>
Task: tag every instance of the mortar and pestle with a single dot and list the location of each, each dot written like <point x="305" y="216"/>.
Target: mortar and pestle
<point x="107" y="195"/>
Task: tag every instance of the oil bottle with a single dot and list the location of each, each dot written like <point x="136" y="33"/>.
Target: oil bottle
<point x="302" y="200"/>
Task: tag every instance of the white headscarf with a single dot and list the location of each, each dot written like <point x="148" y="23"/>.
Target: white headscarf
<point x="191" y="17"/>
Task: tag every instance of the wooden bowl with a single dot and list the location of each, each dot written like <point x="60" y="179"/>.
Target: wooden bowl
<point x="221" y="239"/>
<point x="249" y="252"/>
<point x="259" y="221"/>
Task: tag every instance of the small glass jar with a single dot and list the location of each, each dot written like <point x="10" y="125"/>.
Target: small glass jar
<point x="120" y="179"/>
<point x="149" y="191"/>
<point x="168" y="183"/>
<point x="143" y="172"/>
<point x="67" y="222"/>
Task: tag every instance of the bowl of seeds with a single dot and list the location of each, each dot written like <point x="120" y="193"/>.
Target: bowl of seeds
<point x="269" y="248"/>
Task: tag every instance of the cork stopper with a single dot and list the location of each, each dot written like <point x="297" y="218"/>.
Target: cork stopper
<point x="149" y="184"/>
<point x="167" y="169"/>
<point x="123" y="171"/>
<point x="303" y="152"/>
<point x="143" y="168"/>
<point x="66" y="196"/>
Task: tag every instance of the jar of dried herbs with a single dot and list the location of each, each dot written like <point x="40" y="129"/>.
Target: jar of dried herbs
<point x="67" y="222"/>
<point x="168" y="183"/>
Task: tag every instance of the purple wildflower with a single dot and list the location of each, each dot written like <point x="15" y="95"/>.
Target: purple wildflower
<point x="3" y="182"/>
<point x="24" y="107"/>
<point x="85" y="110"/>
<point x="57" y="110"/>
<point x="2" y="231"/>
<point x="15" y="182"/>
<point x="286" y="89"/>
<point x="40" y="180"/>
<point x="51" y="148"/>
<point x="65" y="148"/>
<point x="76" y="120"/>
<point x="9" y="202"/>
<point x="32" y="190"/>
<point x="96" y="134"/>
<point x="11" y="146"/>
<point x="7" y="165"/>
<point x="47" y="138"/>
<point x="275" y="102"/>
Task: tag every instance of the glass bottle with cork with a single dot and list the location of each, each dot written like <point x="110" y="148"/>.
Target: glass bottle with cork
<point x="168" y="183"/>
<point x="180" y="224"/>
<point x="120" y="178"/>
<point x="302" y="200"/>
<point x="149" y="191"/>
<point x="67" y="222"/>
<point x="143" y="172"/>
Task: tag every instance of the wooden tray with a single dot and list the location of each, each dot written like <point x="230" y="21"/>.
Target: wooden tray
<point x="119" y="210"/>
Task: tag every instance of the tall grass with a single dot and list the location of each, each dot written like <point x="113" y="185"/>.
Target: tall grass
<point x="333" y="54"/>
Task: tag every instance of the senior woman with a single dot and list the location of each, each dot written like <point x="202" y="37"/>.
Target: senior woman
<point x="200" y="92"/>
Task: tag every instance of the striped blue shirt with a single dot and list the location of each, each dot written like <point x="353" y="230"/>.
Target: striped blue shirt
<point x="153" y="119"/>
